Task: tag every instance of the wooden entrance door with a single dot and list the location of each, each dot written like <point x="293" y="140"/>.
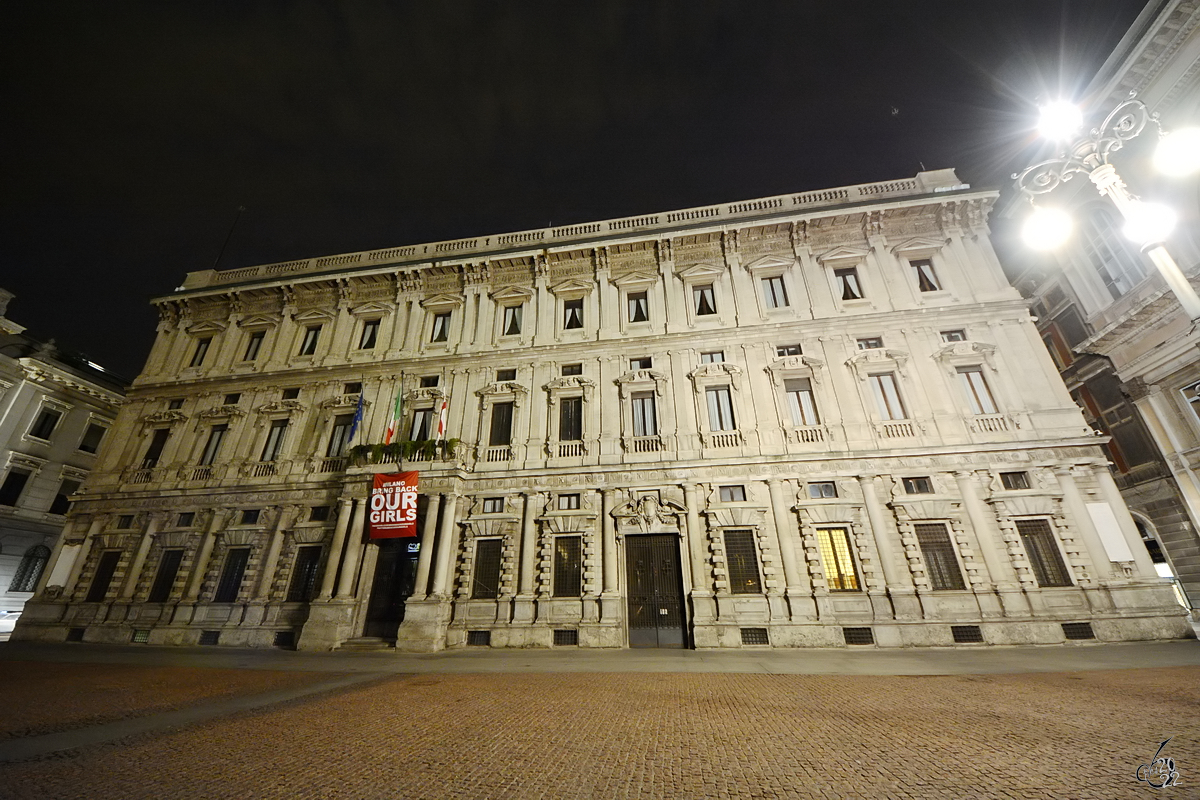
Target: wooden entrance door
<point x="655" y="592"/>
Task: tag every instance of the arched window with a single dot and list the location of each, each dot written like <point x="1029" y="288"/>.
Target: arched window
<point x="1114" y="262"/>
<point x="30" y="569"/>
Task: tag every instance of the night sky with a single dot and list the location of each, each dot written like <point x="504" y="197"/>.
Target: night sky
<point x="130" y="133"/>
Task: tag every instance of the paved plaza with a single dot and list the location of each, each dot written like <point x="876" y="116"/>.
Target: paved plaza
<point x="1067" y="722"/>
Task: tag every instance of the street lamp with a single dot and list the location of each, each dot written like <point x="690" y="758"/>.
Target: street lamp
<point x="1146" y="223"/>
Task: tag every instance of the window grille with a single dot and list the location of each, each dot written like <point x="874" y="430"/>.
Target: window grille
<point x="141" y="636"/>
<point x="105" y="567"/>
<point x="1044" y="557"/>
<point x="742" y="562"/>
<point x="572" y="314"/>
<point x="208" y="638"/>
<point x="485" y="584"/>
<point x="29" y="571"/>
<point x="91" y="438"/>
<point x="230" y="584"/>
<point x="639" y="307"/>
<point x="564" y="638"/>
<point x="966" y="634"/>
<point x="304" y="574"/>
<point x="938" y="551"/>
<point x="800" y="401"/>
<point x="1078" y="630"/>
<point x="164" y="579"/>
<point x="834" y="544"/>
<point x="926" y="278"/>
<point x="253" y="345"/>
<point x="312" y="334"/>
<point x="978" y="394"/>
<point x="858" y="635"/>
<point x="479" y="638"/>
<point x="568" y="566"/>
<point x="703" y="301"/>
<point x="752" y="636"/>
<point x="775" y="292"/>
<point x="847" y="284"/>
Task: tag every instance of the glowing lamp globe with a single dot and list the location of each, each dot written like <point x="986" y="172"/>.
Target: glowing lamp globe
<point x="1179" y="152"/>
<point x="1046" y="228"/>
<point x="1148" y="223"/>
<point x="1059" y="120"/>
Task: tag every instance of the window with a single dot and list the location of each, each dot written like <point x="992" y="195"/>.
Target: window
<point x="92" y="437"/>
<point x="568" y="566"/>
<point x="819" y="490"/>
<point x="938" y="551"/>
<point x="493" y="505"/>
<point x="775" y="292"/>
<point x="926" y="278"/>
<point x="1014" y="480"/>
<point x="703" y="302"/>
<point x="319" y="514"/>
<point x="164" y="578"/>
<point x="954" y="336"/>
<point x="645" y="419"/>
<point x="291" y="394"/>
<point x="512" y="320"/>
<point x="29" y="571"/>
<point x="1059" y="351"/>
<point x="645" y="362"/>
<point x="568" y="502"/>
<point x="742" y="562"/>
<point x="213" y="446"/>
<point x="1044" y="557"/>
<point x="733" y="494"/>
<point x="125" y="521"/>
<point x="834" y="544"/>
<point x="441" y="327"/>
<point x="352" y="388"/>
<point x="501" y="431"/>
<point x="274" y="440"/>
<point x="978" y="394"/>
<point x="1192" y="395"/>
<point x="870" y="343"/>
<point x="720" y="409"/>
<point x="308" y="346"/>
<point x="230" y="584"/>
<point x="304" y="574"/>
<point x="638" y="307"/>
<point x="570" y="419"/>
<point x="233" y="399"/>
<point x="46" y="422"/>
<point x="253" y="345"/>
<point x="1117" y="266"/>
<point x="572" y="369"/>
<point x="887" y="396"/>
<point x="105" y="568"/>
<point x="573" y="314"/>
<point x="14" y="484"/>
<point x="714" y="357"/>
<point x="918" y="485"/>
<point x="430" y="381"/>
<point x="503" y="375"/>
<point x="787" y="350"/>
<point x="175" y="404"/>
<point x="485" y="584"/>
<point x="848" y="287"/>
<point x="339" y="435"/>
<point x="186" y="519"/>
<point x="250" y="516"/>
<point x="62" y="500"/>
<point x="370" y="334"/>
<point x="200" y="352"/>
<point x="422" y="424"/>
<point x="800" y="401"/>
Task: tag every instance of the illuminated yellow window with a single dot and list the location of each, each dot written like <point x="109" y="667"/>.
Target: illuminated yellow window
<point x="835" y="555"/>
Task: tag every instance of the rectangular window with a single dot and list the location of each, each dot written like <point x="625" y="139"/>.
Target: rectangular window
<point x="742" y="562"/>
<point x="819" y="490"/>
<point x="92" y="437"/>
<point x="274" y="440"/>
<point x="869" y="343"/>
<point x="638" y="307"/>
<point x="787" y="350"/>
<point x="502" y="419"/>
<point x="1044" y="557"/>
<point x="493" y="505"/>
<point x="800" y="401"/>
<point x="917" y="485"/>
<point x="304" y="574"/>
<point x="62" y="500"/>
<point x="250" y="516"/>
<point x="308" y="345"/>
<point x="230" y="584"/>
<point x="370" y="334"/>
<point x="253" y="345"/>
<point x="422" y="424"/>
<point x="175" y="404"/>
<point x="125" y="521"/>
<point x="512" y="320"/>
<point x="848" y="287"/>
<point x="938" y="551"/>
<point x="105" y="567"/>
<point x="978" y="394"/>
<point x="954" y="336"/>
<point x="720" y="409"/>
<point x="714" y="357"/>
<point x="164" y="578"/>
<point x="503" y="375"/>
<point x="154" y="451"/>
<point x="429" y="381"/>
<point x="926" y="278"/>
<point x="645" y="419"/>
<point x="200" y="352"/>
<point x="1059" y="351"/>
<point x="572" y="369"/>
<point x="441" y="327"/>
<point x="233" y="399"/>
<point x="568" y="566"/>
<point x="573" y="313"/>
<point x="185" y="519"/>
<point x="568" y="502"/>
<point x="47" y="420"/>
<point x="834" y="544"/>
<point x="645" y="362"/>
<point x="570" y="419"/>
<point x="290" y="394"/>
<point x="213" y="446"/>
<point x="1191" y="394"/>
<point x="887" y="396"/>
<point x="339" y="435"/>
<point x="775" y="292"/>
<point x="733" y="494"/>
<point x="703" y="302"/>
<point x="319" y="514"/>
<point x="485" y="583"/>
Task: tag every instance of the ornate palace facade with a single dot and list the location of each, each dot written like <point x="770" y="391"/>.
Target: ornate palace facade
<point x="821" y="419"/>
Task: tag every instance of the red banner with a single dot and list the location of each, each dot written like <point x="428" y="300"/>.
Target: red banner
<point x="394" y="506"/>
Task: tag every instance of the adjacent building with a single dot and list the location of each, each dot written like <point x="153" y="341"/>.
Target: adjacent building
<point x="812" y="420"/>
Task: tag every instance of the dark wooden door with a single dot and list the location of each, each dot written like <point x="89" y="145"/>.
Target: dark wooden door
<point x="395" y="574"/>
<point x="655" y="591"/>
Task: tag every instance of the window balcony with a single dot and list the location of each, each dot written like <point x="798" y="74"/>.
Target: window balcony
<point x="198" y="473"/>
<point x="721" y="438"/>
<point x="897" y="429"/>
<point x="642" y="444"/>
<point x="262" y="469"/>
<point x="497" y="454"/>
<point x="140" y="476"/>
<point x="330" y="464"/>
<point x="989" y="423"/>
<point x="809" y="434"/>
<point x="571" y="449"/>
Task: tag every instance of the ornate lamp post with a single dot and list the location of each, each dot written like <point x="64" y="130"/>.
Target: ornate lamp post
<point x="1146" y="223"/>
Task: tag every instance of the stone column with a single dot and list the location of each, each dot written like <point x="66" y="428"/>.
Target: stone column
<point x="139" y="559"/>
<point x="899" y="582"/>
<point x="329" y="579"/>
<point x="428" y="532"/>
<point x="1101" y="567"/>
<point x="524" y="606"/>
<point x="610" y="610"/>
<point x="81" y="557"/>
<point x="1112" y="496"/>
<point x="995" y="557"/>
<point x="200" y="566"/>
<point x="354" y="543"/>
<point x="795" y="580"/>
<point x="704" y="608"/>
<point x="266" y="575"/>
<point x="447" y="544"/>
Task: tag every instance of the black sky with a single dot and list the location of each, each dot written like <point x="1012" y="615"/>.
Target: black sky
<point x="131" y="132"/>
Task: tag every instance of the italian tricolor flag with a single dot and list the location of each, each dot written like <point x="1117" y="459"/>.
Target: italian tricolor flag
<point x="397" y="412"/>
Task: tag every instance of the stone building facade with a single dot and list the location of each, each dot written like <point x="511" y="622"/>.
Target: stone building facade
<point x="817" y="419"/>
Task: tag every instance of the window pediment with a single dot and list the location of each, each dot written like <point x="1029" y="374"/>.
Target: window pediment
<point x="572" y="288"/>
<point x="344" y="402"/>
<point x="442" y="302"/>
<point x="572" y="384"/>
<point x="635" y="279"/>
<point x="795" y="366"/>
<point x="919" y="247"/>
<point x="771" y="262"/>
<point x="165" y="417"/>
<point x="281" y="407"/>
<point x="649" y="514"/>
<point x="208" y="326"/>
<point x="425" y="393"/>
<point x="223" y="412"/>
<point x="25" y="461"/>
<point x="511" y="294"/>
<point x="721" y="371"/>
<point x="258" y="322"/>
<point x="371" y="310"/>
<point x="843" y="256"/>
<point x="642" y="380"/>
<point x="504" y="388"/>
<point x="962" y="354"/>
<point x="503" y="527"/>
<point x="736" y="517"/>
<point x="864" y="361"/>
<point x="703" y="271"/>
<point x="822" y="512"/>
